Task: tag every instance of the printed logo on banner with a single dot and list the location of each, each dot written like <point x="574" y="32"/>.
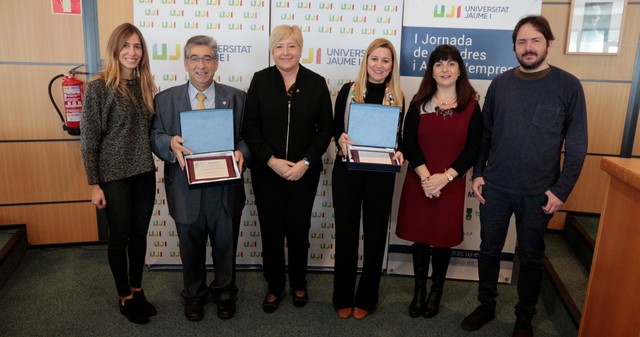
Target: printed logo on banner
<point x="325" y="29"/>
<point x="335" y="18"/>
<point x="359" y="19"/>
<point x="213" y="26"/>
<point x="310" y="58"/>
<point x="201" y="13"/>
<point x="348" y="7"/>
<point x="159" y="223"/>
<point x="168" y="24"/>
<point x="304" y="5"/>
<point x="235" y="3"/>
<point x="325" y="5"/>
<point x="145" y="24"/>
<point x="213" y="2"/>
<point x="369" y="8"/>
<point x="287" y="17"/>
<point x="250" y="15"/>
<point x="176" y="12"/>
<point x="170" y="77"/>
<point x="151" y="12"/>
<point x="311" y="17"/>
<point x="162" y="54"/>
<point x="168" y="2"/>
<point x="256" y="27"/>
<point x="282" y="4"/>
<point x="391" y="8"/>
<point x="470" y="12"/>
<point x="256" y="3"/>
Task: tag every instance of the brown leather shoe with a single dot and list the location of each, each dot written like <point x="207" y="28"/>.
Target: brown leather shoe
<point x="479" y="317"/>
<point x="345" y="312"/>
<point x="360" y="313"/>
<point x="523" y="327"/>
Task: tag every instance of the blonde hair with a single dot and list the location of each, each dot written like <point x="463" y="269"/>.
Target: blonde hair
<point x="392" y="80"/>
<point x="112" y="72"/>
<point x="282" y="32"/>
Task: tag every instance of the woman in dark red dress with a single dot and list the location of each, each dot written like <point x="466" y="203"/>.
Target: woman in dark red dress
<point x="441" y="139"/>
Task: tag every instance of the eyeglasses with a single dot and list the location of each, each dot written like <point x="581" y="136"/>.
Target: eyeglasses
<point x="205" y="59"/>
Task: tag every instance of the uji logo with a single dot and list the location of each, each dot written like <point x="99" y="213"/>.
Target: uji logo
<point x="359" y="19"/>
<point x="287" y="16"/>
<point x="390" y="8"/>
<point x="169" y="77"/>
<point x="369" y="8"/>
<point x="163" y="54"/>
<point x="145" y="24"/>
<point x="151" y="12"/>
<point x="304" y="5"/>
<point x="256" y="3"/>
<point x="235" y="26"/>
<point x="176" y="12"/>
<point x="346" y="30"/>
<point x="383" y="19"/>
<point x="155" y="253"/>
<point x="156" y="212"/>
<point x="256" y="27"/>
<point x="311" y="17"/>
<point x="235" y="3"/>
<point x="324" y="29"/>
<point x="325" y="5"/>
<point x="327" y="204"/>
<point x="282" y="4"/>
<point x="159" y="223"/>
<point x="174" y="254"/>
<point x="316" y="256"/>
<point x="249" y="223"/>
<point x="310" y="56"/>
<point x="389" y="32"/>
<point x="235" y="78"/>
<point x="145" y="1"/>
<point x="160" y="243"/>
<point x="213" y="26"/>
<point x="191" y="2"/>
<point x="155" y="233"/>
<point x="368" y="31"/>
<point x="250" y="15"/>
<point x="327" y="225"/>
<point x="443" y="11"/>
<point x="213" y="2"/>
<point x="226" y="14"/>
<point x="254" y="234"/>
<point x="348" y="7"/>
<point x="159" y="202"/>
<point x="173" y="234"/>
<point x="335" y="18"/>
<point x="317" y="235"/>
<point x="168" y="2"/>
<point x="305" y="28"/>
<point x="201" y="14"/>
<point x="250" y="243"/>
<point x="190" y="25"/>
<point x="168" y="24"/>
<point x="326" y="246"/>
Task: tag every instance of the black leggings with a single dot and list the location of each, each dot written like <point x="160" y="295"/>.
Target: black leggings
<point x="129" y="206"/>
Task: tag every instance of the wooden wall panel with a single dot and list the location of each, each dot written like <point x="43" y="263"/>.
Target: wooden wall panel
<point x="27" y="112"/>
<point x="42" y="172"/>
<point x="54" y="223"/>
<point x="588" y="194"/>
<point x="606" y="113"/>
<point x="112" y="13"/>
<point x="30" y="33"/>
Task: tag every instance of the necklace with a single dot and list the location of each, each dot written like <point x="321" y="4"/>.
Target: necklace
<point x="444" y="102"/>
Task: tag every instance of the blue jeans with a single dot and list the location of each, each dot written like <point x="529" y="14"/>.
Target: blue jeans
<point x="531" y="226"/>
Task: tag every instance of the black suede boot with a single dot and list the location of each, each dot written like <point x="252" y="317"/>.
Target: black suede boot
<point x="421" y="255"/>
<point x="440" y="262"/>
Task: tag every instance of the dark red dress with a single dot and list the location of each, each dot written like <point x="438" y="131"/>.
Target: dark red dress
<point x="438" y="221"/>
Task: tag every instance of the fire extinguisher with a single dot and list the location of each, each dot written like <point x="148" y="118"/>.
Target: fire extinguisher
<point x="72" y="92"/>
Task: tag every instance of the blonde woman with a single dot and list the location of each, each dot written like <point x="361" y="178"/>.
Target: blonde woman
<point x="356" y="192"/>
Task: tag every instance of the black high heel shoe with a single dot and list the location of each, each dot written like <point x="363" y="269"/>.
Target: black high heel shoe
<point x="272" y="306"/>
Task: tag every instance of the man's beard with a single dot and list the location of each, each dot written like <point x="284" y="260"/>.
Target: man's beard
<point x="534" y="65"/>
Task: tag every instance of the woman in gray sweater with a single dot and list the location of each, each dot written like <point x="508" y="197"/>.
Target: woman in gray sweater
<point x="116" y="118"/>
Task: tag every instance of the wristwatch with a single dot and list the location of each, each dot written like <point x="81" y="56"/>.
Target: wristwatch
<point x="449" y="176"/>
<point x="306" y="161"/>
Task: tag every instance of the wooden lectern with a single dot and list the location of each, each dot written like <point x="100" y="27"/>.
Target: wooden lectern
<point x="612" y="303"/>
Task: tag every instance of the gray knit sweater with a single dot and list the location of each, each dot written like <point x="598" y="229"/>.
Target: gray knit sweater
<point x="115" y="133"/>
